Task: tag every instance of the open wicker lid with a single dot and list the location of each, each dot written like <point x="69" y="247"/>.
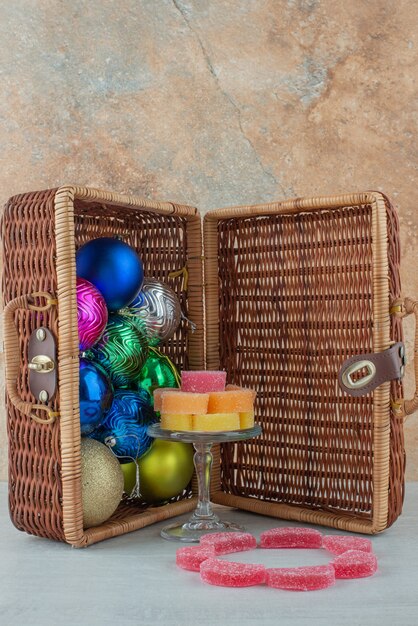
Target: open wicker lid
<point x="295" y="288"/>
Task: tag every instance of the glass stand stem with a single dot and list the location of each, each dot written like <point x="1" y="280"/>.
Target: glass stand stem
<point x="203" y="465"/>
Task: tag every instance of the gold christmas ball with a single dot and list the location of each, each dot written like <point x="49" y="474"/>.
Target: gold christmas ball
<point x="101" y="482"/>
<point x="164" y="471"/>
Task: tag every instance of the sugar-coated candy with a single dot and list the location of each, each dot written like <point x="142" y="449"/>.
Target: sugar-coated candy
<point x="158" y="394"/>
<point x="203" y="381"/>
<point x="308" y="578"/>
<point x="183" y="402"/>
<point x="176" y="422"/>
<point x="231" y="401"/>
<point x="225" y="543"/>
<point x="338" y="544"/>
<point x="354" y="564"/>
<point x="191" y="557"/>
<point x="246" y="420"/>
<point x="238" y="388"/>
<point x="216" y="421"/>
<point x="229" y="574"/>
<point x="291" y="537"/>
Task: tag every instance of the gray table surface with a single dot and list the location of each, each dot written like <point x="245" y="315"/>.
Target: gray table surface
<point x="134" y="580"/>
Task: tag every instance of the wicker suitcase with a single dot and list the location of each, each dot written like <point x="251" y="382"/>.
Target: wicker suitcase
<point x="291" y="291"/>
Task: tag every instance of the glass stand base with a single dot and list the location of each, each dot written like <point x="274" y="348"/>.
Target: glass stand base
<point x="192" y="530"/>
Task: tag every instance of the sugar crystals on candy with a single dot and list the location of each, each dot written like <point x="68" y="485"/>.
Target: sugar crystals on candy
<point x="229" y="574"/>
<point x="338" y="544"/>
<point x="291" y="537"/>
<point x="203" y="381"/>
<point x="225" y="543"/>
<point x="216" y="422"/>
<point x="231" y="401"/>
<point x="246" y="420"/>
<point x="157" y="396"/>
<point x="191" y="557"/>
<point x="183" y="403"/>
<point x="355" y="564"/>
<point x="176" y="422"/>
<point x="308" y="578"/>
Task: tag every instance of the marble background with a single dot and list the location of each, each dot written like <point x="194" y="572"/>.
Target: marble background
<point x="214" y="102"/>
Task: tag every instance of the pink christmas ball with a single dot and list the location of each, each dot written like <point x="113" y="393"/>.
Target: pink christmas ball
<point x="91" y="314"/>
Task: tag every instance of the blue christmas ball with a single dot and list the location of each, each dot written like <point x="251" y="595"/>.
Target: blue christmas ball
<point x="96" y="394"/>
<point x="113" y="267"/>
<point x="124" y="428"/>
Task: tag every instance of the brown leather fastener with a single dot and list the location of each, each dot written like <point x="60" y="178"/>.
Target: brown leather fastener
<point x="42" y="357"/>
<point x="381" y="367"/>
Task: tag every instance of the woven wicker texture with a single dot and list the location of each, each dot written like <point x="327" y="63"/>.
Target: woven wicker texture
<point x="41" y="231"/>
<point x="35" y="490"/>
<point x="292" y="289"/>
<point x="296" y="298"/>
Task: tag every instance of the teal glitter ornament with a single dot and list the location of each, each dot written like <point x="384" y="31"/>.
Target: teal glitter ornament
<point x="122" y="351"/>
<point x="158" y="371"/>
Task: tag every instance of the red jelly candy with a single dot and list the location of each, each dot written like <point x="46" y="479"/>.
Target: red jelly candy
<point x="338" y="544"/>
<point x="301" y="578"/>
<point x="225" y="543"/>
<point x="229" y="574"/>
<point x="355" y="564"/>
<point x="291" y="538"/>
<point x="191" y="557"/>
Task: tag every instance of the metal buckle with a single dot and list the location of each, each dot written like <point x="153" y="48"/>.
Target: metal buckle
<point x="356" y="367"/>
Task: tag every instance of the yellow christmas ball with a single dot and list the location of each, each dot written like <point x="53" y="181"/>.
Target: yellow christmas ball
<point x="164" y="471"/>
<point x="101" y="482"/>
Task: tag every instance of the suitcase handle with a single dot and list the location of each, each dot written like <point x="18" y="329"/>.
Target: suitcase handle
<point x="12" y="353"/>
<point x="403" y="308"/>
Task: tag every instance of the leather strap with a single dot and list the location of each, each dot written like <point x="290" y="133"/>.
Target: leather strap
<point x="380" y="367"/>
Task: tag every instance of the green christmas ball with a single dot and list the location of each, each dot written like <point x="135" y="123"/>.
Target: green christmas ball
<point x="164" y="471"/>
<point x="158" y="371"/>
<point x="122" y="351"/>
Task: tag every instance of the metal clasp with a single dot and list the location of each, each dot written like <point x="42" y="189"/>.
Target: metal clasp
<point x="347" y="376"/>
<point x="41" y="364"/>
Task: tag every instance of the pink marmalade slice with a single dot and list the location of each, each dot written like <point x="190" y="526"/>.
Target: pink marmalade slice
<point x="203" y="381"/>
<point x="225" y="543"/>
<point x="301" y="578"/>
<point x="191" y="557"/>
<point x="338" y="544"/>
<point x="291" y="537"/>
<point x="229" y="574"/>
<point x="355" y="564"/>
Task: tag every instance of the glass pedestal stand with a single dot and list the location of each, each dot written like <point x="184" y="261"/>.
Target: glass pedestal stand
<point x="203" y="520"/>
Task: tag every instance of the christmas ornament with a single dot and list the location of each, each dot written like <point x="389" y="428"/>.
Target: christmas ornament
<point x="157" y="311"/>
<point x="122" y="350"/>
<point x="91" y="314"/>
<point x="164" y="471"/>
<point x="101" y="482"/>
<point x="113" y="267"/>
<point x="95" y="392"/>
<point x="124" y="428"/>
<point x="158" y="371"/>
